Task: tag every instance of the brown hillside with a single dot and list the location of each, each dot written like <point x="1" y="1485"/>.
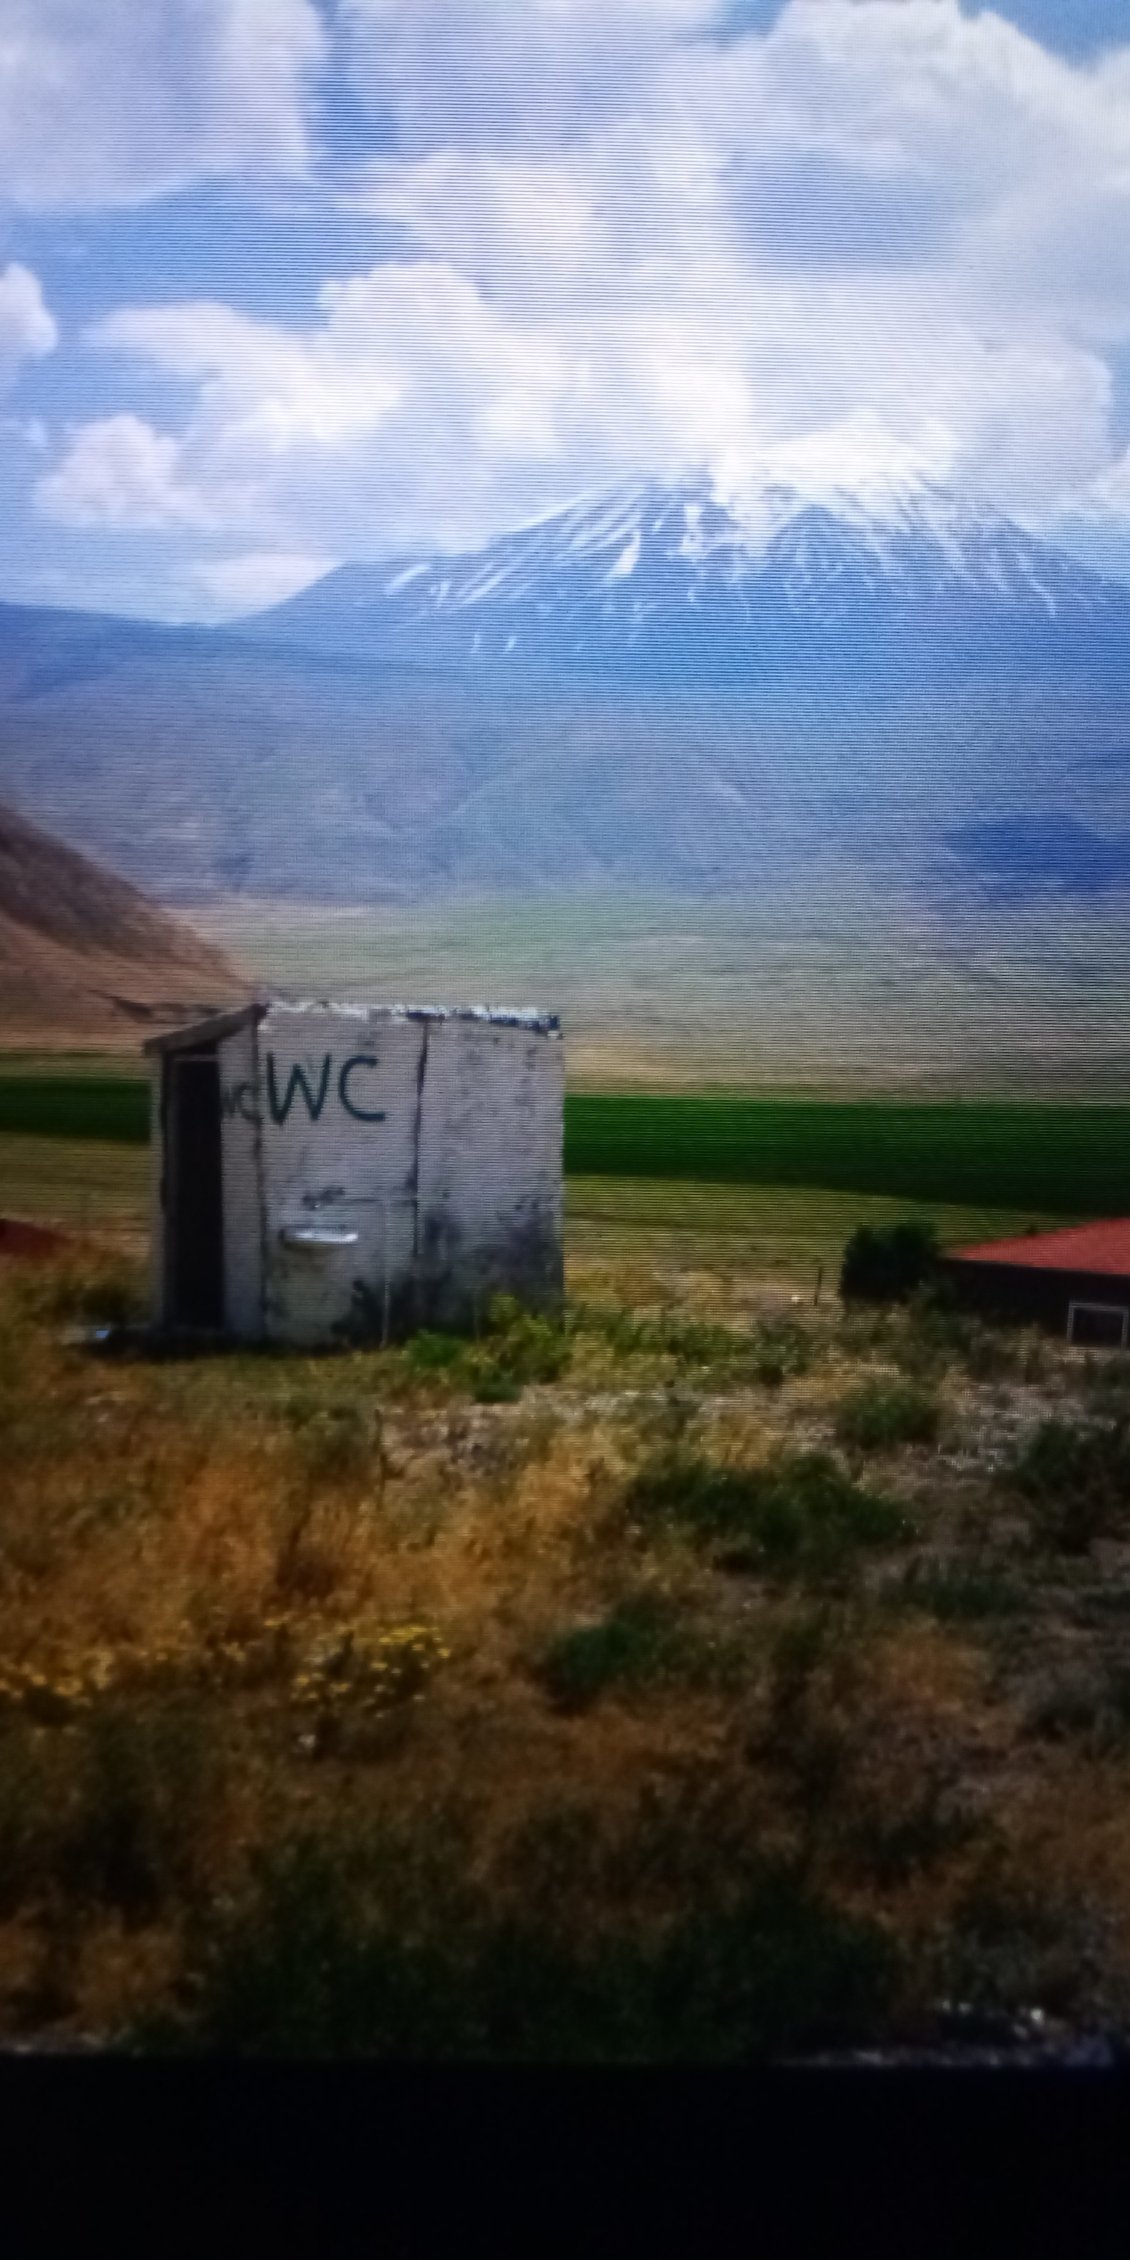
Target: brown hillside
<point x="85" y="958"/>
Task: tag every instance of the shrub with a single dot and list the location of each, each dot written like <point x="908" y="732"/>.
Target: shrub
<point x="884" y="1263"/>
<point x="773" y="1350"/>
<point x="781" y="1349"/>
<point x="302" y="1967"/>
<point x="434" y="1353"/>
<point x="523" y="1345"/>
<point x="797" y="1515"/>
<point x="1076" y="1482"/>
<point x="880" y="1415"/>
<point x="638" y="1642"/>
<point x="518" y="1347"/>
<point x="334" y="1439"/>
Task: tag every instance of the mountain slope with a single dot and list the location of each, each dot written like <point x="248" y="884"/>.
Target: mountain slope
<point x="653" y="585"/>
<point x="644" y="692"/>
<point x="84" y="956"/>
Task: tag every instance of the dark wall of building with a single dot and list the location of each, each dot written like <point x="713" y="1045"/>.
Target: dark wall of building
<point x="1040" y="1298"/>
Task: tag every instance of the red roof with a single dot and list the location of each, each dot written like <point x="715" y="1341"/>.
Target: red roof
<point x="1101" y="1247"/>
<point x="20" y="1239"/>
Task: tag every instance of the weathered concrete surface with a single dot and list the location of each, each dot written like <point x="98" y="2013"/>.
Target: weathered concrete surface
<point x="489" y="1208"/>
<point x="241" y="1140"/>
<point x="384" y="1168"/>
<point x="327" y="1168"/>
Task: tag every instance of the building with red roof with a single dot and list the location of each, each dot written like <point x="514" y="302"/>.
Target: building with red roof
<point x="1076" y="1281"/>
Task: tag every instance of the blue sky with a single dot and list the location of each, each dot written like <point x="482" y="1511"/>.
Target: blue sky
<point x="287" y="282"/>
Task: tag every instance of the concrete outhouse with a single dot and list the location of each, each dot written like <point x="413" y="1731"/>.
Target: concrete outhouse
<point x="322" y="1169"/>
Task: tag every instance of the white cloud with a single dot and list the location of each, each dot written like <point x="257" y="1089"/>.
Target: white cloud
<point x="120" y="472"/>
<point x="107" y="102"/>
<point x="250" y="582"/>
<point x="851" y="249"/>
<point x="523" y="74"/>
<point x="27" y="329"/>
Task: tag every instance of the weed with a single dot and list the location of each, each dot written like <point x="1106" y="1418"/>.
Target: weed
<point x="781" y="1350"/>
<point x="491" y="1386"/>
<point x="636" y="1644"/>
<point x="879" y="1415"/>
<point x="772" y="1351"/>
<point x="936" y="1333"/>
<point x="797" y="1516"/>
<point x="115" y="1814"/>
<point x="517" y="1347"/>
<point x="523" y="1345"/>
<point x="959" y="1592"/>
<point x="1076" y="1482"/>
<point x="94" y="1288"/>
<point x="434" y="1353"/>
<point x="148" y="1786"/>
<point x="335" y="1439"/>
<point x="1091" y="1708"/>
<point x="301" y="1967"/>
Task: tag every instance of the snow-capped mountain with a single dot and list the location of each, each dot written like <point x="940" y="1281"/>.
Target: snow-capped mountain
<point x="668" y="584"/>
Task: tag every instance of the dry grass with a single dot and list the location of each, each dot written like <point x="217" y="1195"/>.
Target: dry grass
<point x="302" y="1610"/>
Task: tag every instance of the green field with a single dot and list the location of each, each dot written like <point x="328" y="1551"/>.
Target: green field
<point x="109" y="1108"/>
<point x="1053" y="1159"/>
<point x="1064" y="1159"/>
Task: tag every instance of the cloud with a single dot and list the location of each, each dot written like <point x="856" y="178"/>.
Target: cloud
<point x="120" y="472"/>
<point x="250" y="582"/>
<point x="883" y="239"/>
<point x="528" y="76"/>
<point x="27" y="329"/>
<point x="109" y="102"/>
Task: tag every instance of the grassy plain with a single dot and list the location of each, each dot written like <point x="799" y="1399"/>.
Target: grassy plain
<point x="849" y="988"/>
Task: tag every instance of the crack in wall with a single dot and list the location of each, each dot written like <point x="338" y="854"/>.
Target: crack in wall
<point x="414" y="1183"/>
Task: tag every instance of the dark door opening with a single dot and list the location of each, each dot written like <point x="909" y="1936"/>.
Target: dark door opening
<point x="194" y="1214"/>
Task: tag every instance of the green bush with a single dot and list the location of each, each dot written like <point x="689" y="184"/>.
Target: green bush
<point x="884" y="1263"/>
<point x="434" y="1353"/>
<point x="1076" y="1482"/>
<point x="773" y="1350"/>
<point x="880" y="1415"/>
<point x="636" y="1643"/>
<point x="333" y="1438"/>
<point x="799" y="1515"/>
<point x="524" y="1345"/>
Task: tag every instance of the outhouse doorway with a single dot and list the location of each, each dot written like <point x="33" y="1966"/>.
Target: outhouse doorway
<point x="193" y="1189"/>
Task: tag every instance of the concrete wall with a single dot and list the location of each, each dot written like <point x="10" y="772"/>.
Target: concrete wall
<point x="430" y="1145"/>
<point x="241" y="1136"/>
<point x="490" y="1170"/>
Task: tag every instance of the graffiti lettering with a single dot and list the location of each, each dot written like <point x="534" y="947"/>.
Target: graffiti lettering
<point x="350" y="1067"/>
<point x="242" y="1099"/>
<point x="239" y="1098"/>
<point x="296" y="1081"/>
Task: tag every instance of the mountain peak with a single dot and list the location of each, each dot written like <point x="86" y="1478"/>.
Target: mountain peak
<point x="683" y="585"/>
